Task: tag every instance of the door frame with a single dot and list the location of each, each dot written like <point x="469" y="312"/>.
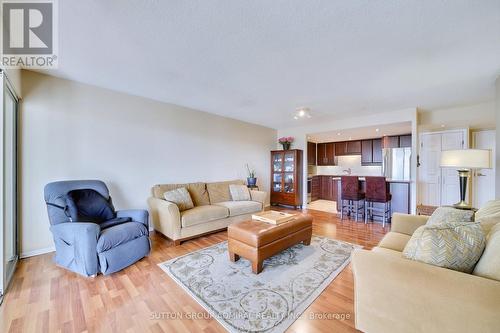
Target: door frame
<point x="8" y="88"/>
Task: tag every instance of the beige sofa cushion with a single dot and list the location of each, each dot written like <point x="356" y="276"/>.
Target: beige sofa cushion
<point x="450" y="215"/>
<point x="219" y="191"/>
<point x="456" y="246"/>
<point x="241" y="207"/>
<point x="491" y="208"/>
<point x="489" y="264"/>
<point x="488" y="222"/>
<point x="383" y="250"/>
<point x="488" y="215"/>
<point x="239" y="192"/>
<point x="394" y="241"/>
<point x="180" y="197"/>
<point x="201" y="214"/>
<point x="197" y="191"/>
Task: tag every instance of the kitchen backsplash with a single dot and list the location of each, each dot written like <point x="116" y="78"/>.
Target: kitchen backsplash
<point x="353" y="162"/>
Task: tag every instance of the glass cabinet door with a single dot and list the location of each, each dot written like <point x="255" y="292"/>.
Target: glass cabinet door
<point x="289" y="163"/>
<point x="289" y="183"/>
<point x="278" y="162"/>
<point x="277" y="182"/>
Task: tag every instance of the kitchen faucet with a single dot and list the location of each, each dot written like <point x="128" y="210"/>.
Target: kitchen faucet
<point x="348" y="171"/>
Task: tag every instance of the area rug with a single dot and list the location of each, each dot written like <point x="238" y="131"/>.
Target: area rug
<point x="268" y="302"/>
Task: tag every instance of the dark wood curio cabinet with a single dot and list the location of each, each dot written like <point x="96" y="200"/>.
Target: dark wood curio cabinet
<point x="286" y="177"/>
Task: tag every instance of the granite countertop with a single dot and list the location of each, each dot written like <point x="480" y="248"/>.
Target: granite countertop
<point x="362" y="178"/>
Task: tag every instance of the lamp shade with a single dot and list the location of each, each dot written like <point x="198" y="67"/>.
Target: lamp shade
<point x="466" y="158"/>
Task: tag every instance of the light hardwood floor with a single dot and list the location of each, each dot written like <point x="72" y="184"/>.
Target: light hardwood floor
<point x="46" y="298"/>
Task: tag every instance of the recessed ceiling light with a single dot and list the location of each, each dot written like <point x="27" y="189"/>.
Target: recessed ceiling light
<point x="302" y="113"/>
<point x="377" y="130"/>
<point x="442" y="126"/>
<point x="338" y="133"/>
<point x="350" y="138"/>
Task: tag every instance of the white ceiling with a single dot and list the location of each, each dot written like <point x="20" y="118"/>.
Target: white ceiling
<point x="359" y="133"/>
<point x="260" y="60"/>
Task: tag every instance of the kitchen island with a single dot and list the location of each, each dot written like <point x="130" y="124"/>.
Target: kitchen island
<point x="328" y="187"/>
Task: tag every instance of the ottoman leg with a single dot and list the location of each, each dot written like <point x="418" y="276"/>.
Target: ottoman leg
<point x="233" y="257"/>
<point x="307" y="241"/>
<point x="256" y="267"/>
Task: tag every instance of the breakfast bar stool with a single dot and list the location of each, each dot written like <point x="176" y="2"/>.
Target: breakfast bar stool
<point x="352" y="195"/>
<point x="378" y="191"/>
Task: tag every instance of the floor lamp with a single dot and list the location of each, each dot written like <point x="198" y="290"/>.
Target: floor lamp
<point x="465" y="160"/>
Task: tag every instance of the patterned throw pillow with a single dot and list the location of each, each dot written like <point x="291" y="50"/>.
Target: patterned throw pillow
<point x="239" y="192"/>
<point x="180" y="197"/>
<point x="456" y="246"/>
<point x="450" y="215"/>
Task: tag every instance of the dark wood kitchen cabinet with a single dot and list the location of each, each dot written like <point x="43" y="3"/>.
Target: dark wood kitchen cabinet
<point x="366" y="152"/>
<point x="315" y="188"/>
<point x="321" y="154"/>
<point x="340" y="148"/>
<point x="377" y="151"/>
<point x="371" y="152"/>
<point x="347" y="148"/>
<point x="330" y="153"/>
<point x="405" y="141"/>
<point x="311" y="153"/>
<point x="390" y="141"/>
<point x="327" y="188"/>
<point x="396" y="141"/>
<point x="326" y="153"/>
<point x="353" y="147"/>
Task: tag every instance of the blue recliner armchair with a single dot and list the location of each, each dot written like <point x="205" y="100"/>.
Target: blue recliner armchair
<point x="89" y="248"/>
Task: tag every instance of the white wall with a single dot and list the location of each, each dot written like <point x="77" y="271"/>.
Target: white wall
<point x="497" y="111"/>
<point x="75" y="131"/>
<point x="476" y="116"/>
<point x="383" y="118"/>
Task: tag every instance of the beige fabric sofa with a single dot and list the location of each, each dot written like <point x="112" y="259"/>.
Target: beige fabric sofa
<point x="213" y="209"/>
<point x="394" y="294"/>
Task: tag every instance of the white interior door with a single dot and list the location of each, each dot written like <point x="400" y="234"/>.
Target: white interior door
<point x="484" y="180"/>
<point x="450" y="187"/>
<point x="429" y="170"/>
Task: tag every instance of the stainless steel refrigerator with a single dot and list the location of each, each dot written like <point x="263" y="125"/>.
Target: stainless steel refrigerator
<point x="396" y="163"/>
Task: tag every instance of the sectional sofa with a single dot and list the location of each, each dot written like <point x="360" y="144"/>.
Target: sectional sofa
<point x="394" y="294"/>
<point x="213" y="210"/>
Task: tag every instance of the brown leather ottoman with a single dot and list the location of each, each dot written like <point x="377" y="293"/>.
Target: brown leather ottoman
<point x="256" y="241"/>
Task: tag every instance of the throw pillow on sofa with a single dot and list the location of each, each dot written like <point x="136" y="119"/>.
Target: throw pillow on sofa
<point x="489" y="264"/>
<point x="239" y="192"/>
<point x="456" y="246"/>
<point x="180" y="197"/>
<point x="450" y="215"/>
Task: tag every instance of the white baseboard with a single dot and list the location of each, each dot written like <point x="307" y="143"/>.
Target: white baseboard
<point x="37" y="252"/>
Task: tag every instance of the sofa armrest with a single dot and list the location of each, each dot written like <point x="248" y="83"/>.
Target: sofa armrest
<point x="393" y="294"/>
<point x="407" y="224"/>
<point x="76" y="246"/>
<point x="166" y="217"/>
<point x="259" y="196"/>
<point x="137" y="215"/>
